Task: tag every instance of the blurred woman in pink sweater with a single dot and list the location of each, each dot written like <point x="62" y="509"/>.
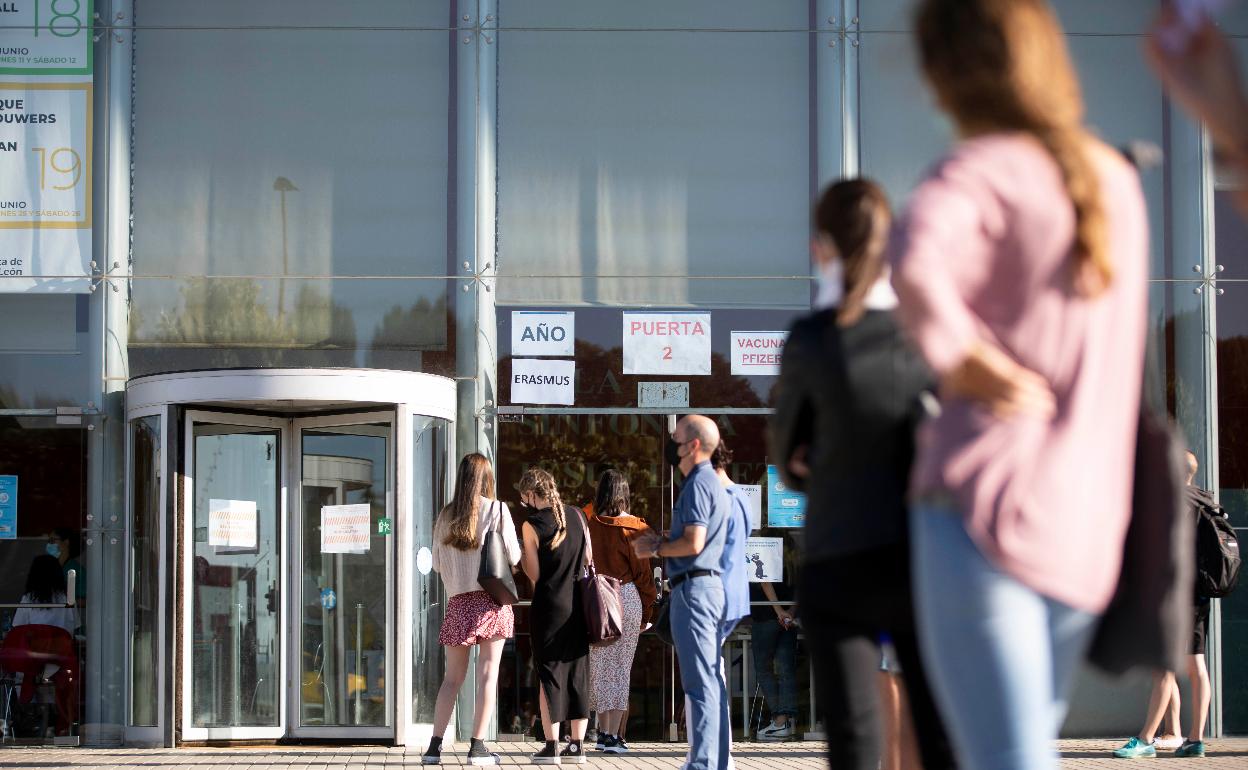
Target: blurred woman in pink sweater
<point x="1021" y="267"/>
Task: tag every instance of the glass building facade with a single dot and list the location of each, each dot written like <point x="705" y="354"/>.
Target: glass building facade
<point x="318" y="190"/>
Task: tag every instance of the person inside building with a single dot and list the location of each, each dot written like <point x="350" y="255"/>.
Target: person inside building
<point x="611" y="530"/>
<point x="773" y="645"/>
<point x="65" y="545"/>
<point x="45" y="584"/>
<point x="694" y="548"/>
<point x="1164" y="700"/>
<point x="472" y="619"/>
<point x="554" y="558"/>
<point x="733" y="563"/>
<point x="847" y="403"/>
<point x="1021" y="267"/>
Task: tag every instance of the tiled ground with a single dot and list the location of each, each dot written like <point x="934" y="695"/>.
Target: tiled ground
<point x="1076" y="755"/>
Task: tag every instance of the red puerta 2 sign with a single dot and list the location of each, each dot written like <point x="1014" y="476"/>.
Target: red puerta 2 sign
<point x="757" y="353"/>
<point x="667" y="343"/>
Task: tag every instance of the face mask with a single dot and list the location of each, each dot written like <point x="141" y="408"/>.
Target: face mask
<point x="830" y="285"/>
<point x="53" y="550"/>
<point x="671" y="452"/>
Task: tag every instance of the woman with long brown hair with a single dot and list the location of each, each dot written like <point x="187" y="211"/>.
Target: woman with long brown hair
<point x="472" y="618"/>
<point x="847" y="404"/>
<point x="1021" y="267"/>
<point x="611" y="531"/>
<point x="554" y="558"/>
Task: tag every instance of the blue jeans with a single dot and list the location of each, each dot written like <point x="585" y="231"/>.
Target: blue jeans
<point x="774" y="647"/>
<point x="697" y="612"/>
<point x="1001" y="657"/>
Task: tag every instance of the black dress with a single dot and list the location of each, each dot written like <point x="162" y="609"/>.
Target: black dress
<point x="556" y="620"/>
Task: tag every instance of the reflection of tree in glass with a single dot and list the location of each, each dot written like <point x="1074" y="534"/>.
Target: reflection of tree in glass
<point x="231" y="312"/>
<point x="1233" y="420"/>
<point x="578" y="449"/>
<point x="422" y="326"/>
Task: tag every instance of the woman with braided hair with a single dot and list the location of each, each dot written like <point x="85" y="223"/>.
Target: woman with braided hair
<point x="554" y="557"/>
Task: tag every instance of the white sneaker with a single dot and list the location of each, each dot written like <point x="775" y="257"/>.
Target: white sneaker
<point x="1172" y="742"/>
<point x="774" y="732"/>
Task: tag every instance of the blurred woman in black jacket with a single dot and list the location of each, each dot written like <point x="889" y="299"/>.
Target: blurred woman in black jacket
<point x="847" y="403"/>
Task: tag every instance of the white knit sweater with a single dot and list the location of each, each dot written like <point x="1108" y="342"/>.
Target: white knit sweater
<point x="459" y="569"/>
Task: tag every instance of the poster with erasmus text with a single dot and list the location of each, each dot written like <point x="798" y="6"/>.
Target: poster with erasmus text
<point x="46" y="37"/>
<point x="45" y="187"/>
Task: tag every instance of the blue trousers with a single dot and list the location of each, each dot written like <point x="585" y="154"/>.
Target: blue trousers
<point x="775" y="647"/>
<point x="1001" y="657"/>
<point x="697" y="613"/>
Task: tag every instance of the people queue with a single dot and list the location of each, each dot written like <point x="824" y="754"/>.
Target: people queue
<point x="961" y="409"/>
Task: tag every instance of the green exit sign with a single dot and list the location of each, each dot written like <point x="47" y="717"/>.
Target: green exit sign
<point x="385" y="526"/>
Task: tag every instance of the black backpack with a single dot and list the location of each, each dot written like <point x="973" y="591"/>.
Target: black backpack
<point x="1217" y="548"/>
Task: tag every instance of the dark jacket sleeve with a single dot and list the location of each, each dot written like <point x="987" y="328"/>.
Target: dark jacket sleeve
<point x="792" y="424"/>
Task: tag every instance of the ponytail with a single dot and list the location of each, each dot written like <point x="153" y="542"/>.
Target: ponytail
<point x="1093" y="271"/>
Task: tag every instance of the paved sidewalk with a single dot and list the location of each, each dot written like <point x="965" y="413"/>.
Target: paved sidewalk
<point x="1225" y="754"/>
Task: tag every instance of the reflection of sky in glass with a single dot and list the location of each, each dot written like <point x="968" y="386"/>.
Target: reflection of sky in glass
<point x="371" y="449"/>
<point x="332" y="159"/>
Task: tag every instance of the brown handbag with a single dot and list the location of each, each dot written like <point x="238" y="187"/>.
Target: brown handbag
<point x="600" y="598"/>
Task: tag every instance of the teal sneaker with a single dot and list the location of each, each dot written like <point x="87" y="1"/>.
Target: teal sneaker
<point x="1136" y="748"/>
<point x="1191" y="749"/>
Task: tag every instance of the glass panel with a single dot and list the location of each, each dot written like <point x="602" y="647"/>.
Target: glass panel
<point x="429" y="484"/>
<point x="902" y="133"/>
<point x="1176" y="313"/>
<point x="45" y="346"/>
<point x="600" y="378"/>
<point x="701" y="164"/>
<point x="235" y="589"/>
<point x="331" y="160"/>
<point x="185" y="323"/>
<point x="740" y="15"/>
<point x="1233" y="488"/>
<point x="145" y="575"/>
<point x="43" y="506"/>
<point x="1231" y="236"/>
<point x="345" y="571"/>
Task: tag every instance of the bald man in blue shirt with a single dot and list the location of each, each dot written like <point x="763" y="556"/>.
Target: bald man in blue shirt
<point x="694" y="551"/>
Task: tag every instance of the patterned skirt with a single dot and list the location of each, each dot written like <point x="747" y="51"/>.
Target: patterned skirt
<point x="610" y="667"/>
<point x="473" y="618"/>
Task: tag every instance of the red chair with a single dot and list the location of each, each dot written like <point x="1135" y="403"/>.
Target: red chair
<point x="27" y="649"/>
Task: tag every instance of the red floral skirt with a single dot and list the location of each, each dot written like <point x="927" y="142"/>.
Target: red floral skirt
<point x="472" y="618"/>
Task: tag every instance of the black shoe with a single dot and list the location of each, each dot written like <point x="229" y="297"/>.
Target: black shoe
<point x="433" y="754"/>
<point x="574" y="754"/>
<point x="601" y="745"/>
<point x="480" y="756"/>
<point x="547" y="756"/>
<point x="615" y="746"/>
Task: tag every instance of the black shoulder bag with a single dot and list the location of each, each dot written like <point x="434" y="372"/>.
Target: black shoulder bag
<point x="495" y="574"/>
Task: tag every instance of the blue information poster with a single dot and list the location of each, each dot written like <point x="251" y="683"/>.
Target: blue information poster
<point x="785" y="508"/>
<point x="8" y="507"/>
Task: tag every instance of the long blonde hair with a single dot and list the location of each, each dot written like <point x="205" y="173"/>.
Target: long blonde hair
<point x="473" y="481"/>
<point x="1002" y="65"/>
<point x="541" y="484"/>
